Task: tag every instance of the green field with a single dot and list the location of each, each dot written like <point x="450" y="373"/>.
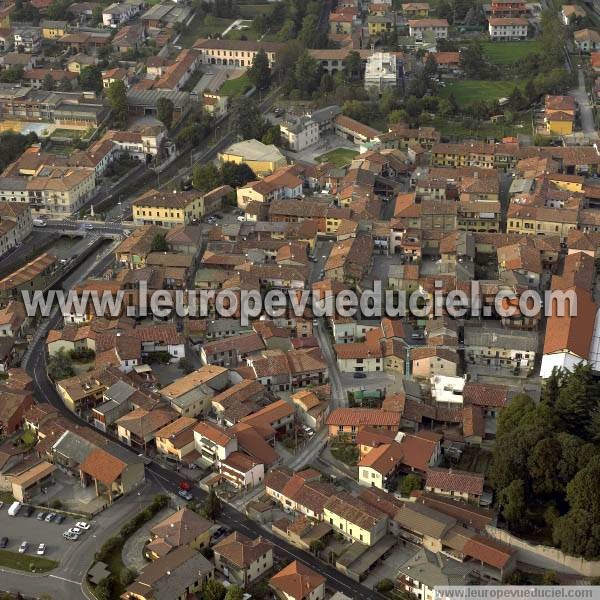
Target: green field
<point x="507" y="53"/>
<point x="26" y="562"/>
<point x="251" y="10"/>
<point x="236" y="87"/>
<point x="199" y="27"/>
<point x="339" y="157"/>
<point x="467" y="91"/>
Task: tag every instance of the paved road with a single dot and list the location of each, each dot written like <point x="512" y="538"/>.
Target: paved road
<point x="585" y="109"/>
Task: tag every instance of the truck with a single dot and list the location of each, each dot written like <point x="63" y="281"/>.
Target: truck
<point x="37" y="222"/>
<point x="15" y="507"/>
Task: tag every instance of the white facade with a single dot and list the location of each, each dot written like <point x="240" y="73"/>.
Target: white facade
<point x="299" y="134"/>
<point x="419" y="27"/>
<point x="560" y="360"/>
<point x="447" y="389"/>
<point x="508" y="29"/>
<point x="382" y="71"/>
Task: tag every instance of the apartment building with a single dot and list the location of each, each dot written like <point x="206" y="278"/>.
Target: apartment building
<point x="508" y="28"/>
<point x="418" y="28"/>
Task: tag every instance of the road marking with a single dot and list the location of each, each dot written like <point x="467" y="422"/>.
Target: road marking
<point x="65" y="579"/>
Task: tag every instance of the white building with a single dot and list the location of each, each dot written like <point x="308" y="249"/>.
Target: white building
<point x="508" y="28"/>
<point x="447" y="389"/>
<point x="117" y="14"/>
<point x="419" y="27"/>
<point x="299" y="133"/>
<point x="382" y="71"/>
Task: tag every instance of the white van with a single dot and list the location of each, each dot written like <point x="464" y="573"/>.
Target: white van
<point x="15" y="507"/>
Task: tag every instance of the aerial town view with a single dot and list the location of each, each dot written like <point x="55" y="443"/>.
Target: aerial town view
<point x="299" y="299"/>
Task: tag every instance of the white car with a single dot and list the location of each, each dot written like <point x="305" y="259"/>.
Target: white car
<point x="241" y="218"/>
<point x="41" y="549"/>
<point x="23" y="547"/>
<point x="74" y="530"/>
<point x="82" y="525"/>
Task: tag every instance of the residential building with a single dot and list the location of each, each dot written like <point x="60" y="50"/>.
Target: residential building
<point x="298" y="582"/>
<point x="355" y="519"/>
<point x="458" y="484"/>
<point x="587" y="40"/>
<point x="179" y="574"/>
<point x="508" y="28"/>
<point x="172" y="209"/>
<point x="351" y="421"/>
<point x="571" y="12"/>
<point x="184" y="528"/>
<point x="243" y="560"/>
<point x="418" y="28"/>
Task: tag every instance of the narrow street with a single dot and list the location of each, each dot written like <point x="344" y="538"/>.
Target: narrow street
<point x="585" y="108"/>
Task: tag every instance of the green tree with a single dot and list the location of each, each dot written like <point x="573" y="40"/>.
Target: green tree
<point x="352" y="65"/>
<point x="307" y="73"/>
<point x="48" y="82"/>
<point x="234" y="592"/>
<point x="104" y="589"/>
<point x="246" y="119"/>
<point x="117" y="97"/>
<point x="385" y="585"/>
<point x="213" y="590"/>
<point x="272" y="136"/>
<point x="164" y="111"/>
<point x="127" y="576"/>
<point x="408" y="484"/>
<point x="60" y="366"/>
<point x="90" y="79"/>
<point x="571" y="532"/>
<point x="550" y="578"/>
<point x="206" y="177"/>
<point x="97" y="14"/>
<point x="583" y="491"/>
<point x="542" y="466"/>
<point x="431" y="67"/>
<point x="236" y="175"/>
<point x="159" y="243"/>
<point x="64" y="85"/>
<point x="212" y="506"/>
<point x="516" y="100"/>
<point x="260" y="71"/>
<point x="316" y="546"/>
<point x="512" y="501"/>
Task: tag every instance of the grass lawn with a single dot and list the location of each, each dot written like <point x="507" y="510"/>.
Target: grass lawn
<point x="248" y="11"/>
<point x="26" y="562"/>
<point x="507" y="53"/>
<point x="467" y="91"/>
<point x="68" y="133"/>
<point x="6" y="497"/>
<point x="458" y="130"/>
<point x="198" y="28"/>
<point x="236" y="87"/>
<point x="339" y="157"/>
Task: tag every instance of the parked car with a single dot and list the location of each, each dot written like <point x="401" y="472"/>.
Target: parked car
<point x="3" y="542"/>
<point x="360" y="375"/>
<point x="41" y="550"/>
<point x="71" y="536"/>
<point x="41" y="516"/>
<point x="74" y="530"/>
<point x="241" y="218"/>
<point x="27" y="511"/>
<point x="50" y="517"/>
<point x="59" y="519"/>
<point x="185" y="495"/>
<point x="88" y="226"/>
<point x="82" y="525"/>
<point x="23" y="547"/>
<point x="219" y="533"/>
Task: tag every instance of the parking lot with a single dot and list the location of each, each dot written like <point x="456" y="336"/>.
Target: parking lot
<point x="18" y="529"/>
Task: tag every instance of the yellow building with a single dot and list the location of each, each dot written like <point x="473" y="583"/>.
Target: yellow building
<point x="262" y="159"/>
<point x="177" y="208"/>
<point x="176" y="440"/>
<point x="52" y="30"/>
<point x="355" y="519"/>
<point x="415" y="10"/>
<point x="559" y="123"/>
<point x="77" y="63"/>
<point x="378" y="25"/>
<point x="541" y="220"/>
